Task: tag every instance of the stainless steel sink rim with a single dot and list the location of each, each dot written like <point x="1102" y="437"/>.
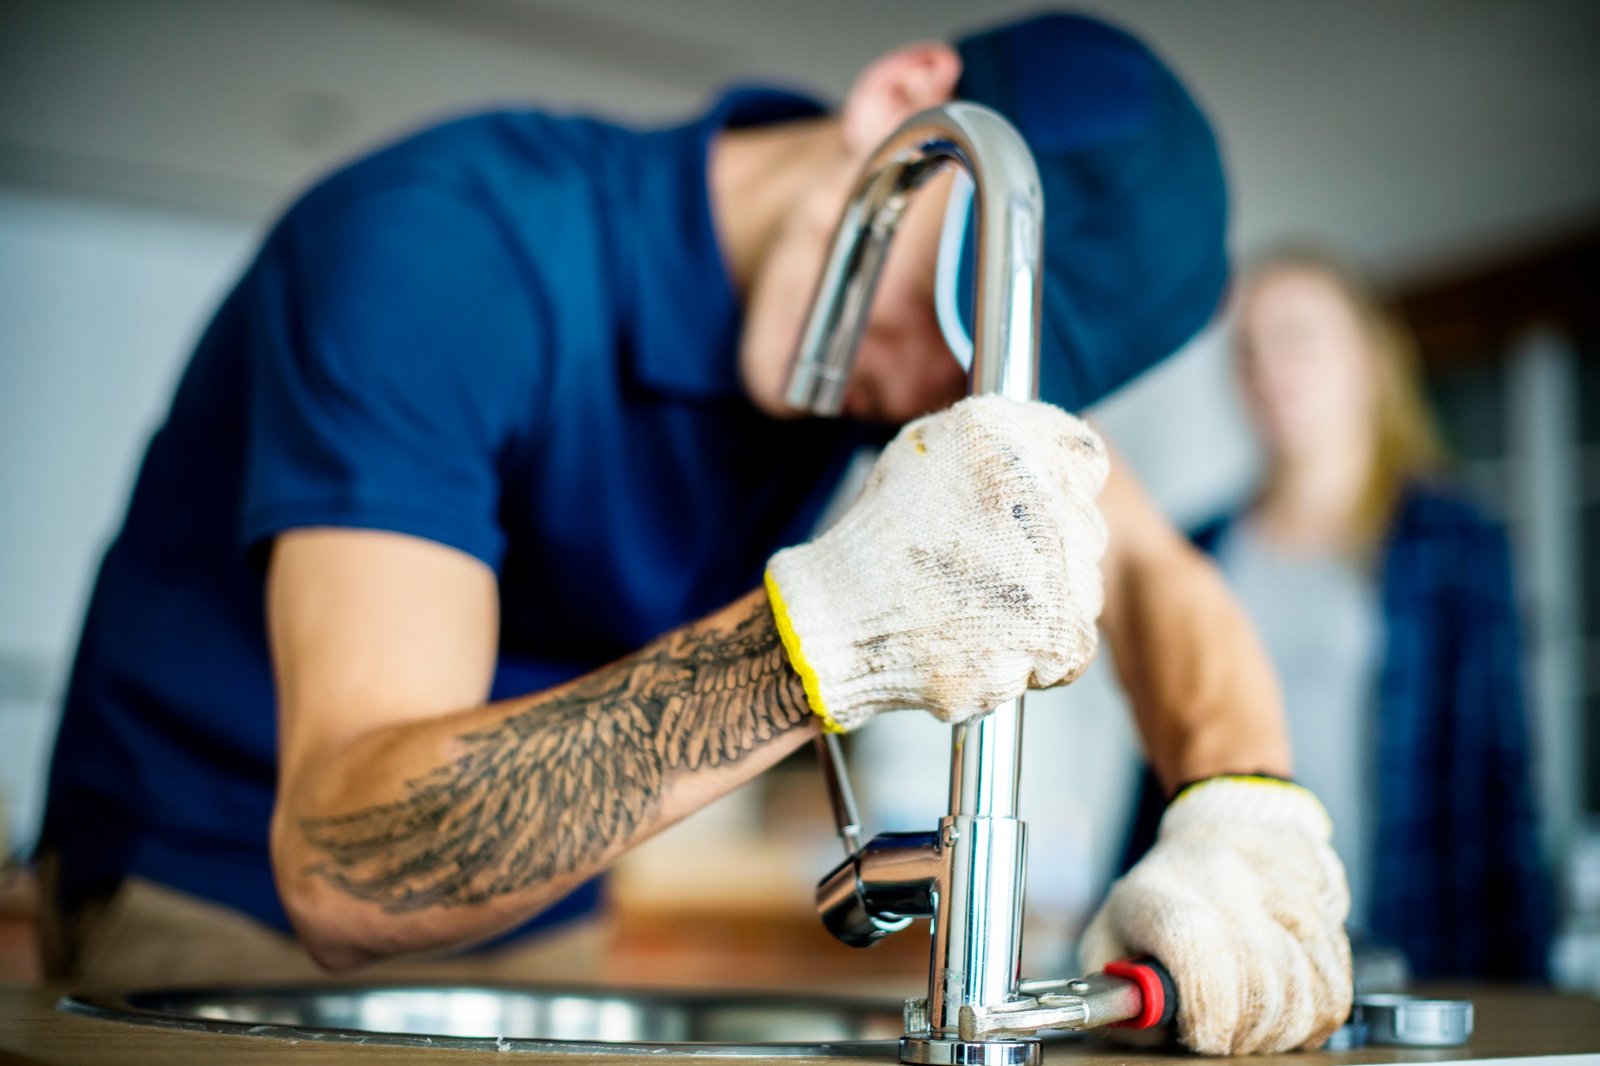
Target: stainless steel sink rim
<point x="162" y="1008"/>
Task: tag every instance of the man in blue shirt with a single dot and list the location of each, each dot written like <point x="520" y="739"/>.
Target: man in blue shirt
<point x="501" y="404"/>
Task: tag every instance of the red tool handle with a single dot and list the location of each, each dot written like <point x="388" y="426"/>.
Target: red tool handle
<point x="1155" y="986"/>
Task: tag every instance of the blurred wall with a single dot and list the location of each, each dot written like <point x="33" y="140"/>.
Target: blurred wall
<point x="143" y="144"/>
<point x="99" y="301"/>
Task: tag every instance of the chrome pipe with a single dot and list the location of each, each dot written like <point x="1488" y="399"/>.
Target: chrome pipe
<point x="986" y="763"/>
<point x="977" y="898"/>
<point x="1009" y="206"/>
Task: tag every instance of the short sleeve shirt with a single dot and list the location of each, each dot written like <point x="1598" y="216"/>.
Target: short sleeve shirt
<point x="514" y="335"/>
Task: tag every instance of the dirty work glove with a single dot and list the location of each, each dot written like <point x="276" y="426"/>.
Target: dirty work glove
<point x="967" y="571"/>
<point x="1244" y="901"/>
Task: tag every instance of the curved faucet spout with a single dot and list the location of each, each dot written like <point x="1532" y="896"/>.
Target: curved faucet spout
<point x="974" y="890"/>
<point x="1010" y="214"/>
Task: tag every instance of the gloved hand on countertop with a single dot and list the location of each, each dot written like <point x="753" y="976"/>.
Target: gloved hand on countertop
<point x="967" y="571"/>
<point x="1244" y="900"/>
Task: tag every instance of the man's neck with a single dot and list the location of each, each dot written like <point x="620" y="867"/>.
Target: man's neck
<point x="760" y="175"/>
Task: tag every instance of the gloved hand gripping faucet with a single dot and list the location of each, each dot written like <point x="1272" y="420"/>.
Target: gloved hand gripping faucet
<point x="967" y="572"/>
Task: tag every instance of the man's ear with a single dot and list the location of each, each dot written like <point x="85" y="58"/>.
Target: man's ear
<point x="896" y="86"/>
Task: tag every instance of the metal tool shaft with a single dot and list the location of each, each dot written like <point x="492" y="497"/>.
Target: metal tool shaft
<point x="1070" y="1005"/>
<point x="840" y="796"/>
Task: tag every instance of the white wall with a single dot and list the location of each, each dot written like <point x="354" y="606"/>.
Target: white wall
<point x="233" y="106"/>
<point x="98" y="303"/>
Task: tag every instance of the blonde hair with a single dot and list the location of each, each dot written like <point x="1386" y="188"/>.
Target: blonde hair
<point x="1406" y="445"/>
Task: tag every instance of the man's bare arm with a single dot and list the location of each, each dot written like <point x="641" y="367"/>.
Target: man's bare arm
<point x="434" y="829"/>
<point x="1203" y="692"/>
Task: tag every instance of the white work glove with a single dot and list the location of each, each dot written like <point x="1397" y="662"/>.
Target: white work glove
<point x="967" y="572"/>
<point x="1243" y="899"/>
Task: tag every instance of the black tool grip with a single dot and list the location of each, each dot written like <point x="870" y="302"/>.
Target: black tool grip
<point x="1156" y="988"/>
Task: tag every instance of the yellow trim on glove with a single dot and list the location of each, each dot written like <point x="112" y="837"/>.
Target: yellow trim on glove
<point x="1197" y="787"/>
<point x="1244" y="779"/>
<point x="791" y="644"/>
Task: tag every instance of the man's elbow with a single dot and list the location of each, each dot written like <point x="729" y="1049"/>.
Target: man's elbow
<point x="321" y="917"/>
<point x="333" y="955"/>
<point x="322" y="926"/>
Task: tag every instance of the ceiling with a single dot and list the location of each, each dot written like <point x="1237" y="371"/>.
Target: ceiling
<point x="1406" y="133"/>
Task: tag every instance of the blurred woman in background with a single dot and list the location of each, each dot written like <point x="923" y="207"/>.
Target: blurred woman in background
<point x="1386" y="603"/>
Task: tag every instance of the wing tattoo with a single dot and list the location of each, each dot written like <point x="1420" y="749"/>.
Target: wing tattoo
<point x="557" y="787"/>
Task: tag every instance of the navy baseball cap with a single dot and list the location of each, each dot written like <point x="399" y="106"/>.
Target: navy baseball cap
<point x="1135" y="206"/>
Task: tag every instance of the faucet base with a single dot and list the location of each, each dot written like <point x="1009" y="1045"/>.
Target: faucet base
<point x="949" y="1051"/>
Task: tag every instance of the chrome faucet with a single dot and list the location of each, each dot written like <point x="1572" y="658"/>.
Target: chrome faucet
<point x="968" y="875"/>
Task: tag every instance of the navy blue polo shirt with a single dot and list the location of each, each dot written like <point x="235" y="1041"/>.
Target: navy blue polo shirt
<point x="514" y="335"/>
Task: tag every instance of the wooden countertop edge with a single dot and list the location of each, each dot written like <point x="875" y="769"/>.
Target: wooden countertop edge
<point x="1511" y="1025"/>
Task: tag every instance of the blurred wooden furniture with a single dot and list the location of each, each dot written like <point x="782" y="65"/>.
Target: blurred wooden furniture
<point x="1473" y="311"/>
<point x="19" y="961"/>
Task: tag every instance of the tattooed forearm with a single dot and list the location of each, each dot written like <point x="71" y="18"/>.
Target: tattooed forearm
<point x="553" y="788"/>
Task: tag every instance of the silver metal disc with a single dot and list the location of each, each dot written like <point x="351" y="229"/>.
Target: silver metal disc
<point x="1406" y="1021"/>
<point x="940" y="1051"/>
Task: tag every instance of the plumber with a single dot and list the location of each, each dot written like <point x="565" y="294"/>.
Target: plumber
<point x="473" y="550"/>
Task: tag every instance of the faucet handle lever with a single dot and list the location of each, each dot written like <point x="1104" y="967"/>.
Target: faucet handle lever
<point x="830" y="756"/>
<point x="1136" y="993"/>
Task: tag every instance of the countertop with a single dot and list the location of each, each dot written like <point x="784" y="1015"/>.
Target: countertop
<point x="1510" y="1025"/>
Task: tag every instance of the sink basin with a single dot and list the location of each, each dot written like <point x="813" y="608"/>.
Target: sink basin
<point x="517" y="1018"/>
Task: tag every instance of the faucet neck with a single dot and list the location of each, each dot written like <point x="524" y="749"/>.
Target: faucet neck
<point x="1008" y="271"/>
